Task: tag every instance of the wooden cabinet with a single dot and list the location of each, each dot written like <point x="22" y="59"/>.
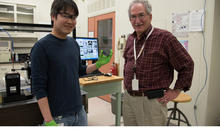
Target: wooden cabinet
<point x="23" y="113"/>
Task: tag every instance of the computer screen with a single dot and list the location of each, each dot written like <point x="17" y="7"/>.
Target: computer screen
<point x="89" y="49"/>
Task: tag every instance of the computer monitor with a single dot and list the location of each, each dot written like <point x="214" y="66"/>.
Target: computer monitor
<point x="89" y="48"/>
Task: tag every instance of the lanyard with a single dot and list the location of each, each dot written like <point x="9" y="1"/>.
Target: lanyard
<point x="142" y="48"/>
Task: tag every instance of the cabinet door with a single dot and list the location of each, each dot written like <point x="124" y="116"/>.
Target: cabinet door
<point x="6" y="13"/>
<point x="25" y="14"/>
<point x="103" y="27"/>
<point x="5" y="51"/>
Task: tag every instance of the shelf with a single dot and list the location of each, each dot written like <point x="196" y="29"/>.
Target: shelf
<point x="9" y="12"/>
<point x="21" y="9"/>
<point x="4" y="19"/>
<point x="24" y="13"/>
<point x="17" y="13"/>
<point x="18" y="35"/>
<point x="26" y="27"/>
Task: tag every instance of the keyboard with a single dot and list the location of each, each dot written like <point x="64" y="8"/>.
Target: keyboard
<point x="94" y="73"/>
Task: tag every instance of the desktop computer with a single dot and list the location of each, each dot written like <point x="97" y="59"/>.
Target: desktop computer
<point x="89" y="50"/>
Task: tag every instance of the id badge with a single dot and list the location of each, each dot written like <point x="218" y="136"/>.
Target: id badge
<point x="135" y="85"/>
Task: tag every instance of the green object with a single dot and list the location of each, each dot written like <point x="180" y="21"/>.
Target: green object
<point x="51" y="123"/>
<point x="103" y="59"/>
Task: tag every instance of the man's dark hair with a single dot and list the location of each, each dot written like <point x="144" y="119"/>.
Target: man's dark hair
<point x="63" y="5"/>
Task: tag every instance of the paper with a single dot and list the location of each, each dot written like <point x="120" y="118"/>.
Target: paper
<point x="184" y="44"/>
<point x="180" y="24"/>
<point x="91" y="34"/>
<point x="135" y="85"/>
<point x="196" y="20"/>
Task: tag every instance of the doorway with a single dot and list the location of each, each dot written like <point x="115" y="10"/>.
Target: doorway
<point x="103" y="27"/>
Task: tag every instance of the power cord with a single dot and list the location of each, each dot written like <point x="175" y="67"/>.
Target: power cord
<point x="12" y="45"/>
<point x="206" y="66"/>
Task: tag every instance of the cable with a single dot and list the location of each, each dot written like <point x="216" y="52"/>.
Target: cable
<point x="206" y="65"/>
<point x="12" y="45"/>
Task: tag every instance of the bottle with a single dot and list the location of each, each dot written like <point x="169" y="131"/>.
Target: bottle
<point x="16" y="57"/>
<point x="113" y="69"/>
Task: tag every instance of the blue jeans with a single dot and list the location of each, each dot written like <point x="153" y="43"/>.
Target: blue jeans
<point x="78" y="119"/>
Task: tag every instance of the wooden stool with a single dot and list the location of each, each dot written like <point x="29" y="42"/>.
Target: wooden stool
<point x="181" y="98"/>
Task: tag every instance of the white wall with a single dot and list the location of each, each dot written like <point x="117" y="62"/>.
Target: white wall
<point x="82" y="20"/>
<point x="212" y="114"/>
<point x="43" y="11"/>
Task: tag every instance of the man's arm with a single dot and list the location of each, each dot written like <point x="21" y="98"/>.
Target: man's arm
<point x="182" y="62"/>
<point x="169" y="95"/>
<point x="39" y="68"/>
<point x="101" y="61"/>
<point x="45" y="110"/>
<point x="90" y="68"/>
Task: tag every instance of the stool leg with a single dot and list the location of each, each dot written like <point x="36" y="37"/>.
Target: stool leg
<point x="172" y="113"/>
<point x="170" y="116"/>
<point x="175" y="109"/>
<point x="173" y="116"/>
<point x="186" y="120"/>
<point x="179" y="118"/>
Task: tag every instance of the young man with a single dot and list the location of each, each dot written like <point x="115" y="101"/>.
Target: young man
<point x="56" y="67"/>
<point x="151" y="55"/>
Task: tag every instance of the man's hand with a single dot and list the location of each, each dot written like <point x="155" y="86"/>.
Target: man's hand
<point x="103" y="59"/>
<point x="169" y="95"/>
<point x="51" y="123"/>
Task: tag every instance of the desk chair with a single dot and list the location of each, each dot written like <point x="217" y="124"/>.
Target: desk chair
<point x="181" y="98"/>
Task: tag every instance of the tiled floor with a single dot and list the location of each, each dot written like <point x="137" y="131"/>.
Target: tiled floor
<point x="100" y="113"/>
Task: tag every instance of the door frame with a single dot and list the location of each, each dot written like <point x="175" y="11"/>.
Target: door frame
<point x="93" y="27"/>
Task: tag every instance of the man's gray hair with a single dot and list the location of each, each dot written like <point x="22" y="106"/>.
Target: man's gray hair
<point x="146" y="4"/>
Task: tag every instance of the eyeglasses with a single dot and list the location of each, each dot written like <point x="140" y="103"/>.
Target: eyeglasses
<point x="67" y="16"/>
<point x="139" y="16"/>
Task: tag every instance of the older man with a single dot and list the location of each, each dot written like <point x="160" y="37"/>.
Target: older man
<point x="151" y="56"/>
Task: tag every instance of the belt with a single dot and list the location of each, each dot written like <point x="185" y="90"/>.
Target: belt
<point x="158" y="93"/>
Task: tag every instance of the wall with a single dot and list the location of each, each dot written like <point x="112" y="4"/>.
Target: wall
<point x="43" y="11"/>
<point x="123" y="26"/>
<point x="82" y="21"/>
<point x="213" y="112"/>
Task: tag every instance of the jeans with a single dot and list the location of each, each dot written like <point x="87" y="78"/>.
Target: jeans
<point x="78" y="119"/>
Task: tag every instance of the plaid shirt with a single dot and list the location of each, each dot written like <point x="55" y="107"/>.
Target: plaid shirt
<point x="155" y="67"/>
